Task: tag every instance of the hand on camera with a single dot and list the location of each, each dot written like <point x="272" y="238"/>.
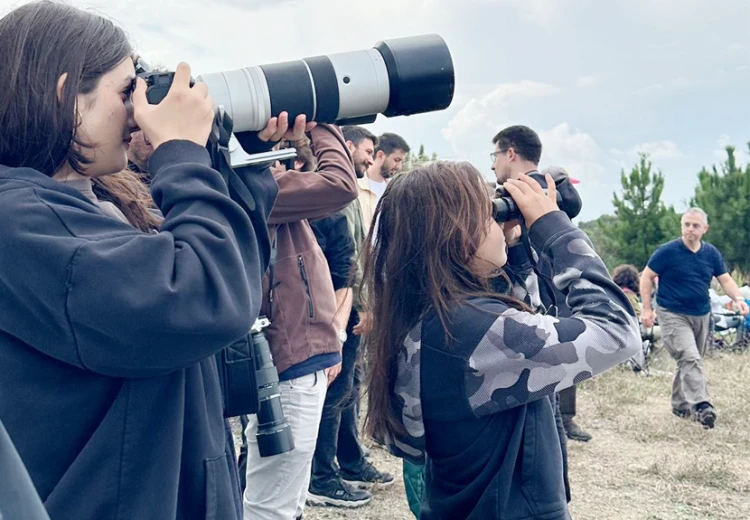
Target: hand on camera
<point x="531" y="199"/>
<point x="184" y="114"/>
<point x="277" y="129"/>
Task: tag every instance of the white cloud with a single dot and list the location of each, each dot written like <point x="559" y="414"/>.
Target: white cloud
<point x="656" y="150"/>
<point x="545" y="13"/>
<point x="581" y="156"/>
<point x="666" y="87"/>
<point x="587" y="82"/>
<point x="479" y="117"/>
<point x="660" y="150"/>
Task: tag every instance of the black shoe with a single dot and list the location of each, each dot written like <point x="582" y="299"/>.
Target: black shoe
<point x="705" y="414"/>
<point x="367" y="477"/>
<point x="574" y="432"/>
<point x="682" y="414"/>
<point x="338" y="494"/>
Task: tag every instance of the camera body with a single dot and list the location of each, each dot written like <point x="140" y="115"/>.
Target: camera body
<point x="505" y="208"/>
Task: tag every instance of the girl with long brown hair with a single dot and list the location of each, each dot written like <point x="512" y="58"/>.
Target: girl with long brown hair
<point x="462" y="372"/>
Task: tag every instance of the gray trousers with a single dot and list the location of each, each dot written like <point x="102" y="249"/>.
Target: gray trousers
<point x="685" y="339"/>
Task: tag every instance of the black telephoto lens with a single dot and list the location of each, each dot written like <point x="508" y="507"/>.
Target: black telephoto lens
<point x="274" y="432"/>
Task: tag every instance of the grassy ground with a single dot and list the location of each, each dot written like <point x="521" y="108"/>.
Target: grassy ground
<point x="643" y="463"/>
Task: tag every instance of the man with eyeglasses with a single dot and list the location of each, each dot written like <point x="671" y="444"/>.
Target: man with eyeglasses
<point x="518" y="150"/>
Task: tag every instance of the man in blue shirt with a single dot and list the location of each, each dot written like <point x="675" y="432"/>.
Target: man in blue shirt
<point x="685" y="268"/>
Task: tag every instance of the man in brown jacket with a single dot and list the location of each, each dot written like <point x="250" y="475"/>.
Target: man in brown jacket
<point x="299" y="301"/>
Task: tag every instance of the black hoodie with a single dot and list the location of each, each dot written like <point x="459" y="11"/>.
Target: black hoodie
<point x="108" y="381"/>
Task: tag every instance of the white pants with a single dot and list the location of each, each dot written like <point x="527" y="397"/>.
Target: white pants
<point x="277" y="486"/>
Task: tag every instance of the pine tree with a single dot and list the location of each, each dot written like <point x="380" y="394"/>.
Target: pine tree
<point x="724" y="194"/>
<point x="642" y="221"/>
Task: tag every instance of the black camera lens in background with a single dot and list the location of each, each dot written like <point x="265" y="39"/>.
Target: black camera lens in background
<point x="274" y="432"/>
<point x="398" y="77"/>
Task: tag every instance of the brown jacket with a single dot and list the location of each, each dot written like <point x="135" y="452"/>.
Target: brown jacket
<point x="302" y="305"/>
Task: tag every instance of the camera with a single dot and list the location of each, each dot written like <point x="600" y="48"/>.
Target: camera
<point x="505" y="208"/>
<point x="250" y="384"/>
<point x="274" y="432"/>
<point x="398" y="77"/>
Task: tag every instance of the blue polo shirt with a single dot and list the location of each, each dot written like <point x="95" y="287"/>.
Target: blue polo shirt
<point x="685" y="277"/>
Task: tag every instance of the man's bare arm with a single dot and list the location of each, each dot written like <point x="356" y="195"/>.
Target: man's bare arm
<point x="645" y="287"/>
<point x="733" y="291"/>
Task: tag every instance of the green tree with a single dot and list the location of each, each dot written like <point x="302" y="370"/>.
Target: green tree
<point x="642" y="221"/>
<point x="595" y="229"/>
<point x="413" y="160"/>
<point x="724" y="194"/>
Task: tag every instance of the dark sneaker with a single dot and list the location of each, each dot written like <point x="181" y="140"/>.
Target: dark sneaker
<point x="367" y="477"/>
<point x="574" y="432"/>
<point x="705" y="415"/>
<point x="682" y="414"/>
<point x="338" y="494"/>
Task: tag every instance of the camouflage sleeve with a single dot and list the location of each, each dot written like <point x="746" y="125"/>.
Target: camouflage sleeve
<point x="523" y="279"/>
<point x="524" y="357"/>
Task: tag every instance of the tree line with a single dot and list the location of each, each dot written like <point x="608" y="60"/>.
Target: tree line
<point x="641" y="221"/>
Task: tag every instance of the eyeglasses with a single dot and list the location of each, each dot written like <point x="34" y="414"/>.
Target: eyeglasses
<point x="494" y="155"/>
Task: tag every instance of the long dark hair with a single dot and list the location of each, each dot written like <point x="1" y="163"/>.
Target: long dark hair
<point x="430" y="223"/>
<point x="39" y="42"/>
<point x="128" y="191"/>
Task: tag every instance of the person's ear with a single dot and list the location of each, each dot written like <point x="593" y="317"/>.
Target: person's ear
<point x="350" y="146"/>
<point x="60" y="86"/>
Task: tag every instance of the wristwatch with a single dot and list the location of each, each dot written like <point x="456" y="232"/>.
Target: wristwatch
<point x="342" y="336"/>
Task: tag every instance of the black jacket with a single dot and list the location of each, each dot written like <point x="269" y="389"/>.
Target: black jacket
<point x="332" y="234"/>
<point x="108" y="383"/>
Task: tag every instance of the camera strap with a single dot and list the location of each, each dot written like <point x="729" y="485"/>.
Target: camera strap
<point x="544" y="282"/>
<point x="222" y="162"/>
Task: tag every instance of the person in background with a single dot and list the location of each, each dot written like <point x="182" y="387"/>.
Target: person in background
<point x="388" y="160"/>
<point x="518" y="151"/>
<point x="340" y="236"/>
<point x="300" y="302"/>
<point x="685" y="267"/>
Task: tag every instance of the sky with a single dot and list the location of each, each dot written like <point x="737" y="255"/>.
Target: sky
<point x="600" y="81"/>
